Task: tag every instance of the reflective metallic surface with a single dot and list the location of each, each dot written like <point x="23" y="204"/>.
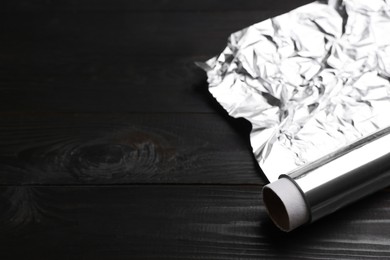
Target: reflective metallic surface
<point x="346" y="175"/>
<point x="310" y="81"/>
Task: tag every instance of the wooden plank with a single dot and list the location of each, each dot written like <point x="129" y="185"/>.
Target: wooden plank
<point x="125" y="148"/>
<point x="178" y="222"/>
<point x="112" y="85"/>
<point x="69" y="35"/>
<point x="111" y="62"/>
<point x="150" y="5"/>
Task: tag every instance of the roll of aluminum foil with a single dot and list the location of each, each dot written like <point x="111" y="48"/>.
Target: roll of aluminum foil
<point x="312" y="82"/>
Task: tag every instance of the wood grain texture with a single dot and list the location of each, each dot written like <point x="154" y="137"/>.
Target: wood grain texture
<point x="111" y="146"/>
<point x="178" y="222"/>
<point x="114" y="84"/>
<point x="149" y="5"/>
<point x="111" y="61"/>
<point x="121" y="33"/>
<point x="128" y="148"/>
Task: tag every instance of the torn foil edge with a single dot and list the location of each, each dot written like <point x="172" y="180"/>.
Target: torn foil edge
<point x="310" y="81"/>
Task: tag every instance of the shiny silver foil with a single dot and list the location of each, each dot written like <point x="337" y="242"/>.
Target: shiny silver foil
<point x="310" y="81"/>
<point x="344" y="176"/>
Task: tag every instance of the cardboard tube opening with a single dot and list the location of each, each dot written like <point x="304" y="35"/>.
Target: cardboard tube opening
<point x="285" y="204"/>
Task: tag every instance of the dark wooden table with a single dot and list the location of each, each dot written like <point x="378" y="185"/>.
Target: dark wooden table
<point x="112" y="148"/>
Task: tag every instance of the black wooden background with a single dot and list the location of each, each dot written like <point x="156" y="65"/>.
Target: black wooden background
<point x="112" y="148"/>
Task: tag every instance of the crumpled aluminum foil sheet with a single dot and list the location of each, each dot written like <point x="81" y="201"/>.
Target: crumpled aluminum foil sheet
<point x="310" y="81"/>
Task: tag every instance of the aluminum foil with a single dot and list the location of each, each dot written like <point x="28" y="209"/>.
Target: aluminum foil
<point x="310" y="81"/>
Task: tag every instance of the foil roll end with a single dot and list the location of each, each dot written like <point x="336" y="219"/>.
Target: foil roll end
<point x="285" y="204"/>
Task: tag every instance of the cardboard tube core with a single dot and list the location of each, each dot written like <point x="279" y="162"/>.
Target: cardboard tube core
<point x="285" y="204"/>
